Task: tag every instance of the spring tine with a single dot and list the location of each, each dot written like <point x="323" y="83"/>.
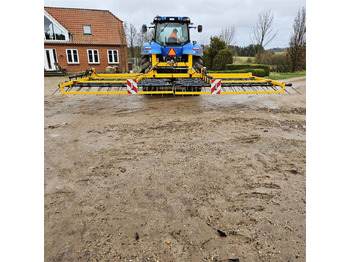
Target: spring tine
<point x="286" y="91"/>
<point x="274" y="88"/>
<point x="295" y="90"/>
<point x="56" y="90"/>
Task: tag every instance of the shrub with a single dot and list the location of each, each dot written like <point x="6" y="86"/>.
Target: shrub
<point x="222" y="58"/>
<point x="265" y="67"/>
<point x="259" y="72"/>
<point x="281" y="64"/>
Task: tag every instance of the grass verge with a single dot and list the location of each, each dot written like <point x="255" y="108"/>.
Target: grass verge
<point x="278" y="76"/>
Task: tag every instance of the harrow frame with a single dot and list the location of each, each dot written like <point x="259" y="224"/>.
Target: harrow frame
<point x="191" y="83"/>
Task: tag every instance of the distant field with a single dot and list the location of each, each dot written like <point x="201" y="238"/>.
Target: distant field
<point x="242" y="59"/>
<point x="280" y="53"/>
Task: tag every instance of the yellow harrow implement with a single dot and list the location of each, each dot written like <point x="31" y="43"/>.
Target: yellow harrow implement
<point x="191" y="83"/>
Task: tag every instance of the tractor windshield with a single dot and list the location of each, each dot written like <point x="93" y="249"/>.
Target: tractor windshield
<point x="171" y="33"/>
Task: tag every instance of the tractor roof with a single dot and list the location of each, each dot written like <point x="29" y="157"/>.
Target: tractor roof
<point x="158" y="19"/>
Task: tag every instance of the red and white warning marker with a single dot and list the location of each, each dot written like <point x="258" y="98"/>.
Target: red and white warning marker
<point x="131" y="86"/>
<point x="215" y="86"/>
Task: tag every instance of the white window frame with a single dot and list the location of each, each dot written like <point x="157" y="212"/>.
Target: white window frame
<point x="112" y="62"/>
<point x="74" y="62"/>
<point x="93" y="56"/>
<point x="58" y="25"/>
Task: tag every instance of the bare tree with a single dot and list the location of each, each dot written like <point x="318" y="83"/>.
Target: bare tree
<point x="131" y="35"/>
<point x="297" y="43"/>
<point x="228" y="35"/>
<point x="145" y="37"/>
<point x="263" y="30"/>
<point x="122" y="47"/>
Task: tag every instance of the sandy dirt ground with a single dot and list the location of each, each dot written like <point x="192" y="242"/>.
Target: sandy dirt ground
<point x="204" y="178"/>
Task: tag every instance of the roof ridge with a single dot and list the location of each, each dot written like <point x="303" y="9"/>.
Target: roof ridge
<point x="105" y="10"/>
<point x="77" y="8"/>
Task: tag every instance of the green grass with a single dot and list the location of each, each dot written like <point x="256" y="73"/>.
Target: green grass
<point x="278" y="76"/>
<point x="280" y="53"/>
<point x="242" y="59"/>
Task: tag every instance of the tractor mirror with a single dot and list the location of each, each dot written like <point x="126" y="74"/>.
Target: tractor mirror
<point x="144" y="28"/>
<point x="200" y="28"/>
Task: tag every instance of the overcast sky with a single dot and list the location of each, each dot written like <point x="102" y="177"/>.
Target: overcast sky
<point x="213" y="15"/>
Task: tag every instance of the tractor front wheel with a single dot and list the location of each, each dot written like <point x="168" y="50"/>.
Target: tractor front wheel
<point x="145" y="64"/>
<point x="197" y="63"/>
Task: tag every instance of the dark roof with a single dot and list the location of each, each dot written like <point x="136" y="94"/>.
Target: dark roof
<point x="106" y="28"/>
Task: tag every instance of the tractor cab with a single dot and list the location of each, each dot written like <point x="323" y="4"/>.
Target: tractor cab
<point x="171" y="30"/>
<point x="171" y="44"/>
<point x="172" y="34"/>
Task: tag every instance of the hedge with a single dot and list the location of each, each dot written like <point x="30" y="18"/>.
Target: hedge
<point x="237" y="67"/>
<point x="255" y="72"/>
<point x="249" y="67"/>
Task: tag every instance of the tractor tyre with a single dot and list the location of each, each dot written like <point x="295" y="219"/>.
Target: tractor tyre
<point x="145" y="64"/>
<point x="197" y="63"/>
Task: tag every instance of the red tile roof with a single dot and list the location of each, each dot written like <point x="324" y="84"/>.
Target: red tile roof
<point x="106" y="28"/>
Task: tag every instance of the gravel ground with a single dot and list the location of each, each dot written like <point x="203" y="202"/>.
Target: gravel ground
<point x="147" y="178"/>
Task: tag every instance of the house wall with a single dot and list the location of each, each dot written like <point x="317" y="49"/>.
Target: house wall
<point x="83" y="57"/>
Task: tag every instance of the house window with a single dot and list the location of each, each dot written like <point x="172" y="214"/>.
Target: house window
<point x="72" y="56"/>
<point x="52" y="32"/>
<point x="93" y="57"/>
<point x="112" y="56"/>
<point x="87" y="29"/>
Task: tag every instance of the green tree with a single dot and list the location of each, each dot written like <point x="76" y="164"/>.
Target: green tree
<point x="222" y="58"/>
<point x="216" y="44"/>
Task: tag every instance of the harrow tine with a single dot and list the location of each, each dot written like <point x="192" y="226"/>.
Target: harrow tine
<point x="287" y="91"/>
<point x="56" y="90"/>
<point x="294" y="90"/>
<point x="274" y="88"/>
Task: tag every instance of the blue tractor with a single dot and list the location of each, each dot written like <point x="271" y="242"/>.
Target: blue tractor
<point x="171" y="64"/>
<point x="171" y="50"/>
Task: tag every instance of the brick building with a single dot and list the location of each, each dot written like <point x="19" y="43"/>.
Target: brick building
<point x="77" y="39"/>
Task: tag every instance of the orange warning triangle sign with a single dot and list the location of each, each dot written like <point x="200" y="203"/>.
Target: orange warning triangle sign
<point x="172" y="52"/>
